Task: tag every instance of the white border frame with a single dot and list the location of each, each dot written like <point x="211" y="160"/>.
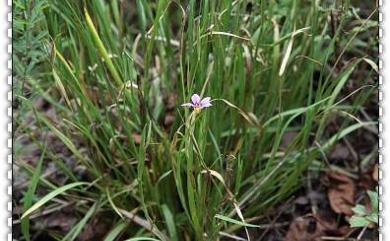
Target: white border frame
<point x="6" y="122"/>
<point x="384" y="133"/>
<point x="5" y="119"/>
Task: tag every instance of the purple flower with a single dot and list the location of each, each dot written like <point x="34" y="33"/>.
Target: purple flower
<point x="198" y="103"/>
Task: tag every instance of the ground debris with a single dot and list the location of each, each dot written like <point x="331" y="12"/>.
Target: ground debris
<point x="341" y="193"/>
<point x="375" y="173"/>
<point x="313" y="227"/>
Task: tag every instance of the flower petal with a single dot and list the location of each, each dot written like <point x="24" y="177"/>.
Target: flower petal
<point x="195" y="99"/>
<point x="206" y="105"/>
<point x="205" y="101"/>
<point x="187" y="105"/>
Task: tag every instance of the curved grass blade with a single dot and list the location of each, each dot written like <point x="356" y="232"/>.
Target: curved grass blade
<point x="116" y="231"/>
<point x="170" y="222"/>
<point x="142" y="238"/>
<point x="230" y="220"/>
<point x="75" y="231"/>
<point x="50" y="196"/>
<point x="25" y="223"/>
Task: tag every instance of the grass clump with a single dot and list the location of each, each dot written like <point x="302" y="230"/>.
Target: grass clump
<point x="115" y="73"/>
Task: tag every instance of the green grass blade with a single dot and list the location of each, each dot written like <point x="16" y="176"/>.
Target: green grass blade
<point x="114" y="233"/>
<point x="102" y="50"/>
<point x="50" y="196"/>
<point x="170" y="222"/>
<point x="142" y="238"/>
<point x="230" y="220"/>
<point x="28" y="197"/>
<point x="75" y="231"/>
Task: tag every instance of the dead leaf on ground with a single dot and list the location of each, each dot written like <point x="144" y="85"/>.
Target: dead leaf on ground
<point x="137" y="138"/>
<point x="341" y="193"/>
<point x="367" y="180"/>
<point x="312" y="228"/>
<point x="63" y="221"/>
<point x="375" y="173"/>
<point x="94" y="230"/>
<point x="302" y="229"/>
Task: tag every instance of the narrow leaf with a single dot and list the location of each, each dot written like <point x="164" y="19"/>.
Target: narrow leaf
<point x="50" y="196"/>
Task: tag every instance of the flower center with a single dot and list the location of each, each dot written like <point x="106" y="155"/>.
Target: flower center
<point x="197" y="109"/>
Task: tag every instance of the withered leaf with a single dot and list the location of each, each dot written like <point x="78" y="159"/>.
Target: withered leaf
<point x="375" y="173"/>
<point x="341" y="193"/>
<point x="311" y="229"/>
<point x="137" y="138"/>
